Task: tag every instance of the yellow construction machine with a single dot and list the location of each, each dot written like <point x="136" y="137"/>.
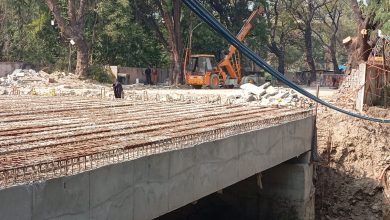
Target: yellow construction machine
<point x="202" y="71"/>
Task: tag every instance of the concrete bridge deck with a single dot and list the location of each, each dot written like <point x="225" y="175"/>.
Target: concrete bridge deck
<point x="66" y="158"/>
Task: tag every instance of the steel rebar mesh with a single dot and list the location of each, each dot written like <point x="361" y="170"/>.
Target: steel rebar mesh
<point x="47" y="137"/>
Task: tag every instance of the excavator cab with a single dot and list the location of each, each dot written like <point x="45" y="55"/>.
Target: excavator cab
<point x="200" y="64"/>
<point x="199" y="71"/>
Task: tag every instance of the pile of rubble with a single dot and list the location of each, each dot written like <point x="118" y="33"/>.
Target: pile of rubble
<point x="267" y="95"/>
<point x="30" y="82"/>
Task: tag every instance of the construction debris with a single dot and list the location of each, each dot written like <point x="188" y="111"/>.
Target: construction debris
<point x="267" y="95"/>
<point x="30" y="82"/>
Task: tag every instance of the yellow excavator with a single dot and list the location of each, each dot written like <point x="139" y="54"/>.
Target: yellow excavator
<point x="202" y="71"/>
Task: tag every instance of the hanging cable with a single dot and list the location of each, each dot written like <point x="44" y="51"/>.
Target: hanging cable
<point x="199" y="10"/>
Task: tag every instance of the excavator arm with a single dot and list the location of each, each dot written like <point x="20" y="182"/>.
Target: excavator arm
<point x="232" y="66"/>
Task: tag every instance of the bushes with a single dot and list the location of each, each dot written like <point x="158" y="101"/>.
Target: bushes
<point x="99" y="73"/>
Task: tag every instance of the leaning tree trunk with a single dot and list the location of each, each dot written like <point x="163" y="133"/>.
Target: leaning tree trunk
<point x="359" y="48"/>
<point x="309" y="52"/>
<point x="280" y="54"/>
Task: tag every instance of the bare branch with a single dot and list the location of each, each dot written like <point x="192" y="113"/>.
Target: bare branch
<point x="321" y="39"/>
<point x="356" y="10"/>
<point x="62" y="24"/>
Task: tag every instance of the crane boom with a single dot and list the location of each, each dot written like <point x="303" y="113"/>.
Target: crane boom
<point x="231" y="66"/>
<point x="246" y="28"/>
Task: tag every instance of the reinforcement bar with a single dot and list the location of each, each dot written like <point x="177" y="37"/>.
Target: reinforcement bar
<point x="45" y="137"/>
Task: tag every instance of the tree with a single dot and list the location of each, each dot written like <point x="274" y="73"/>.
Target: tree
<point x="360" y="46"/>
<point x="280" y="26"/>
<point x="303" y="12"/>
<point x="72" y="28"/>
<point x="329" y="27"/>
<point x="119" y="40"/>
<point x="163" y="17"/>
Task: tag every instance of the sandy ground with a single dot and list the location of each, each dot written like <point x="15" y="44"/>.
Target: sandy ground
<point x="324" y="92"/>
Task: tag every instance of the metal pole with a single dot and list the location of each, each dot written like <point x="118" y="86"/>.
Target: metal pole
<point x="384" y="73"/>
<point x="70" y="56"/>
<point x="317" y="94"/>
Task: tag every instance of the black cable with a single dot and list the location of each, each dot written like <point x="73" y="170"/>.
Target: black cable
<point x="199" y="10"/>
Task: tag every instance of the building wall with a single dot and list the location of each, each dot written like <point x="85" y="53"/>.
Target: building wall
<point x="132" y="74"/>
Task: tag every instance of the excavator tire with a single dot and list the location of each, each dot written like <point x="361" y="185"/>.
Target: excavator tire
<point x="229" y="86"/>
<point x="197" y="86"/>
<point x="214" y="81"/>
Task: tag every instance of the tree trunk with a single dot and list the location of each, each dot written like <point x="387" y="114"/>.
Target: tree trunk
<point x="173" y="30"/>
<point x="280" y="54"/>
<point x="175" y="67"/>
<point x="309" y="52"/>
<point x="333" y="53"/>
<point x="359" y="49"/>
<point x="72" y="28"/>
<point x="281" y="61"/>
<point x="179" y="45"/>
<point x="82" y="58"/>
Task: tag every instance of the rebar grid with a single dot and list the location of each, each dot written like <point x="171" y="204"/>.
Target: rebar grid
<point x="45" y="137"/>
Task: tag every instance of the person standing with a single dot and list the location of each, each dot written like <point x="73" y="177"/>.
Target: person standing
<point x="148" y="75"/>
<point x="118" y="89"/>
<point x="154" y="76"/>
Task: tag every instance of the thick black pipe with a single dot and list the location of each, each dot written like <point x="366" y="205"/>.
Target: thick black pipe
<point x="199" y="10"/>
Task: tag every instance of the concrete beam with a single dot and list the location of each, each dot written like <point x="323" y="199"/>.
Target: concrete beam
<point x="154" y="185"/>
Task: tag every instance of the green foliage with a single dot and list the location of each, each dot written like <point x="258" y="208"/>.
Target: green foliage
<point x="382" y="14"/>
<point x="114" y="36"/>
<point x="268" y="77"/>
<point x="118" y="36"/>
<point x="122" y="40"/>
<point x="232" y="15"/>
<point x="98" y="73"/>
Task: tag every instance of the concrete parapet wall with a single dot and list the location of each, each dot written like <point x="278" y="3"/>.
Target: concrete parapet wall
<point x="151" y="186"/>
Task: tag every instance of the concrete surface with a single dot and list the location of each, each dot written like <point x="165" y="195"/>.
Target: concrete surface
<point x="288" y="191"/>
<point x="152" y="186"/>
<point x="282" y="192"/>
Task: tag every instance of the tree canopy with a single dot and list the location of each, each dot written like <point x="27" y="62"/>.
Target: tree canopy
<point x="291" y="35"/>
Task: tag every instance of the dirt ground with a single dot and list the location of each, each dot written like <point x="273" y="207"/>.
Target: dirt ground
<point x="354" y="154"/>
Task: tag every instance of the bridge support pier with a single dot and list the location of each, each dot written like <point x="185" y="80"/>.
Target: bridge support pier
<point x="288" y="190"/>
<point x="282" y="192"/>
